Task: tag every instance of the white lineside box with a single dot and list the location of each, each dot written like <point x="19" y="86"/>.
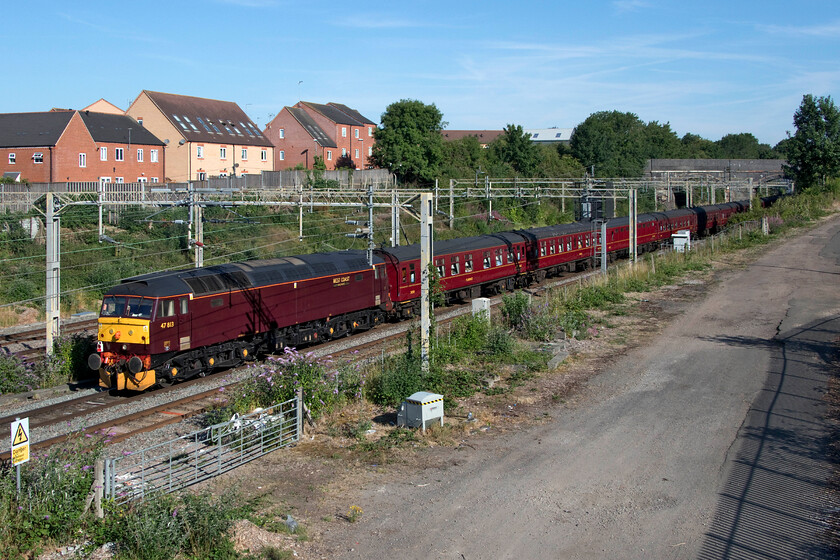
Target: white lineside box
<point x="682" y="240"/>
<point x="420" y="410"/>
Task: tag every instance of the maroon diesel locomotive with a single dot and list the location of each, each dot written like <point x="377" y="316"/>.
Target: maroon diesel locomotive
<point x="158" y="328"/>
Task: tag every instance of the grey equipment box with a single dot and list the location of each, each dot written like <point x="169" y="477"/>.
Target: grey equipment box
<point x="420" y="410"/>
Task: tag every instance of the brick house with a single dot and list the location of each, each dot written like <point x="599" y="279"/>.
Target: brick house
<point x="204" y="137"/>
<point x="306" y="130"/>
<point x="60" y="146"/>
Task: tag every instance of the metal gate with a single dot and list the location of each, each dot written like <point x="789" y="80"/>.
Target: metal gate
<point x="201" y="455"/>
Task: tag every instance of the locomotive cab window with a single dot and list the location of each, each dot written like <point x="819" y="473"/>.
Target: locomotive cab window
<point x="166" y="308"/>
<point x="360" y="277"/>
<point x="185" y="305"/>
<point x="139" y="308"/>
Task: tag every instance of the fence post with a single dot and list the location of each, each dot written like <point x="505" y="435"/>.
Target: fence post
<point x="98" y="487"/>
<point x="299" y="420"/>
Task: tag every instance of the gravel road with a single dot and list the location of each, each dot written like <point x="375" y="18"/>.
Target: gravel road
<point x="636" y="467"/>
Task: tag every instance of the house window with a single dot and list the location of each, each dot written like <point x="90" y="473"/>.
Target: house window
<point x="344" y="132"/>
<point x="329" y="155"/>
<point x="140" y="121"/>
<point x="154" y="179"/>
<point x="244" y="153"/>
<point x="104" y="179"/>
<point x="370" y="131"/>
<point x="11" y="159"/>
<point x="282" y="155"/>
<point x="370" y="151"/>
<point x="142" y="180"/>
<point x="38" y="157"/>
<point x="140" y="155"/>
<point x="201" y="176"/>
<point x="222" y="153"/>
<point x="118" y="154"/>
<point x="153" y="156"/>
<point x="343" y="151"/>
<point x="119" y="180"/>
<point x="357" y="153"/>
<point x="356" y="132"/>
<point x="103" y="154"/>
<point x="82" y="160"/>
<point x="199" y="152"/>
<point x="263" y="155"/>
<point x="282" y="133"/>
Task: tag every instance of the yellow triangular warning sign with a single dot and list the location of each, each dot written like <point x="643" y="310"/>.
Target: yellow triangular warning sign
<point x="20" y="436"/>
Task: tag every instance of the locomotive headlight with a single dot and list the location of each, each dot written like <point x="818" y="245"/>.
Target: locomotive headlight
<point x="125" y="346"/>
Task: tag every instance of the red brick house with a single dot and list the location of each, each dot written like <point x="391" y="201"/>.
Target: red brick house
<point x="306" y="130"/>
<point x="60" y="146"/>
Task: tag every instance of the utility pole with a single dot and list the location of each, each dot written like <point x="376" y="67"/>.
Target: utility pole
<point x="395" y="219"/>
<point x="634" y="237"/>
<point x="370" y="226"/>
<point x="199" y="235"/>
<point x="53" y="226"/>
<point x="426" y="231"/>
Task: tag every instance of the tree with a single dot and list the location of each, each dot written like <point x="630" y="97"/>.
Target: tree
<point x="462" y="157"/>
<point x="555" y="162"/>
<point x="319" y="164"/>
<point x="661" y="141"/>
<point x="345" y="162"/>
<point x="409" y="142"/>
<point x="696" y="147"/>
<point x="514" y="148"/>
<point x="739" y="146"/>
<point x="813" y="152"/>
<point x="613" y="142"/>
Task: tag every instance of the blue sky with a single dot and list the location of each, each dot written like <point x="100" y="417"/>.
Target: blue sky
<point x="710" y="68"/>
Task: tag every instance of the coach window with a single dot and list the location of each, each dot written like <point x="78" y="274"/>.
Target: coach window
<point x="456" y="266"/>
<point x="499" y="257"/>
<point x="412" y="273"/>
<point x="167" y="308"/>
<point x="441" y="269"/>
<point x="487" y="259"/>
<point x="404" y="275"/>
<point x="468" y="263"/>
<point x="551" y="247"/>
<point x="510" y="255"/>
<point x="542" y="249"/>
<point x="185" y="306"/>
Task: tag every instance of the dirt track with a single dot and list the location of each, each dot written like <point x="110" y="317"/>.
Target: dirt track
<point x="633" y="466"/>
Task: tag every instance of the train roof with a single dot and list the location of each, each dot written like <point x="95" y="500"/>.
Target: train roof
<point x="245" y="274"/>
<point x="458" y="245"/>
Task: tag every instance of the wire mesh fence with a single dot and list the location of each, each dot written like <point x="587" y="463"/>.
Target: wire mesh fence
<point x="175" y="464"/>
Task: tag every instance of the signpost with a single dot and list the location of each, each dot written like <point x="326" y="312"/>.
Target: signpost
<point x="20" y="445"/>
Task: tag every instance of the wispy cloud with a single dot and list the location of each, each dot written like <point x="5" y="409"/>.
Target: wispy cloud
<point x="115" y="29"/>
<point x="623" y="6"/>
<point x="252" y="3"/>
<point x="831" y="30"/>
<point x="375" y="21"/>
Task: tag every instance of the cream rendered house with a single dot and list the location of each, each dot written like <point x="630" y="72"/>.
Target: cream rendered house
<point x="204" y="137"/>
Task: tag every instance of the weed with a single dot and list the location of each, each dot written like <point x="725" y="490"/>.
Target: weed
<point x="354" y="513"/>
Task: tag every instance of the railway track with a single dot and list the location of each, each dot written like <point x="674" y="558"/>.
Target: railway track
<point x="29" y="342"/>
<point x="367" y="346"/>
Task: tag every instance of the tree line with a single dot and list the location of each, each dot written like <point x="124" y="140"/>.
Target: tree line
<point x="607" y="144"/>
